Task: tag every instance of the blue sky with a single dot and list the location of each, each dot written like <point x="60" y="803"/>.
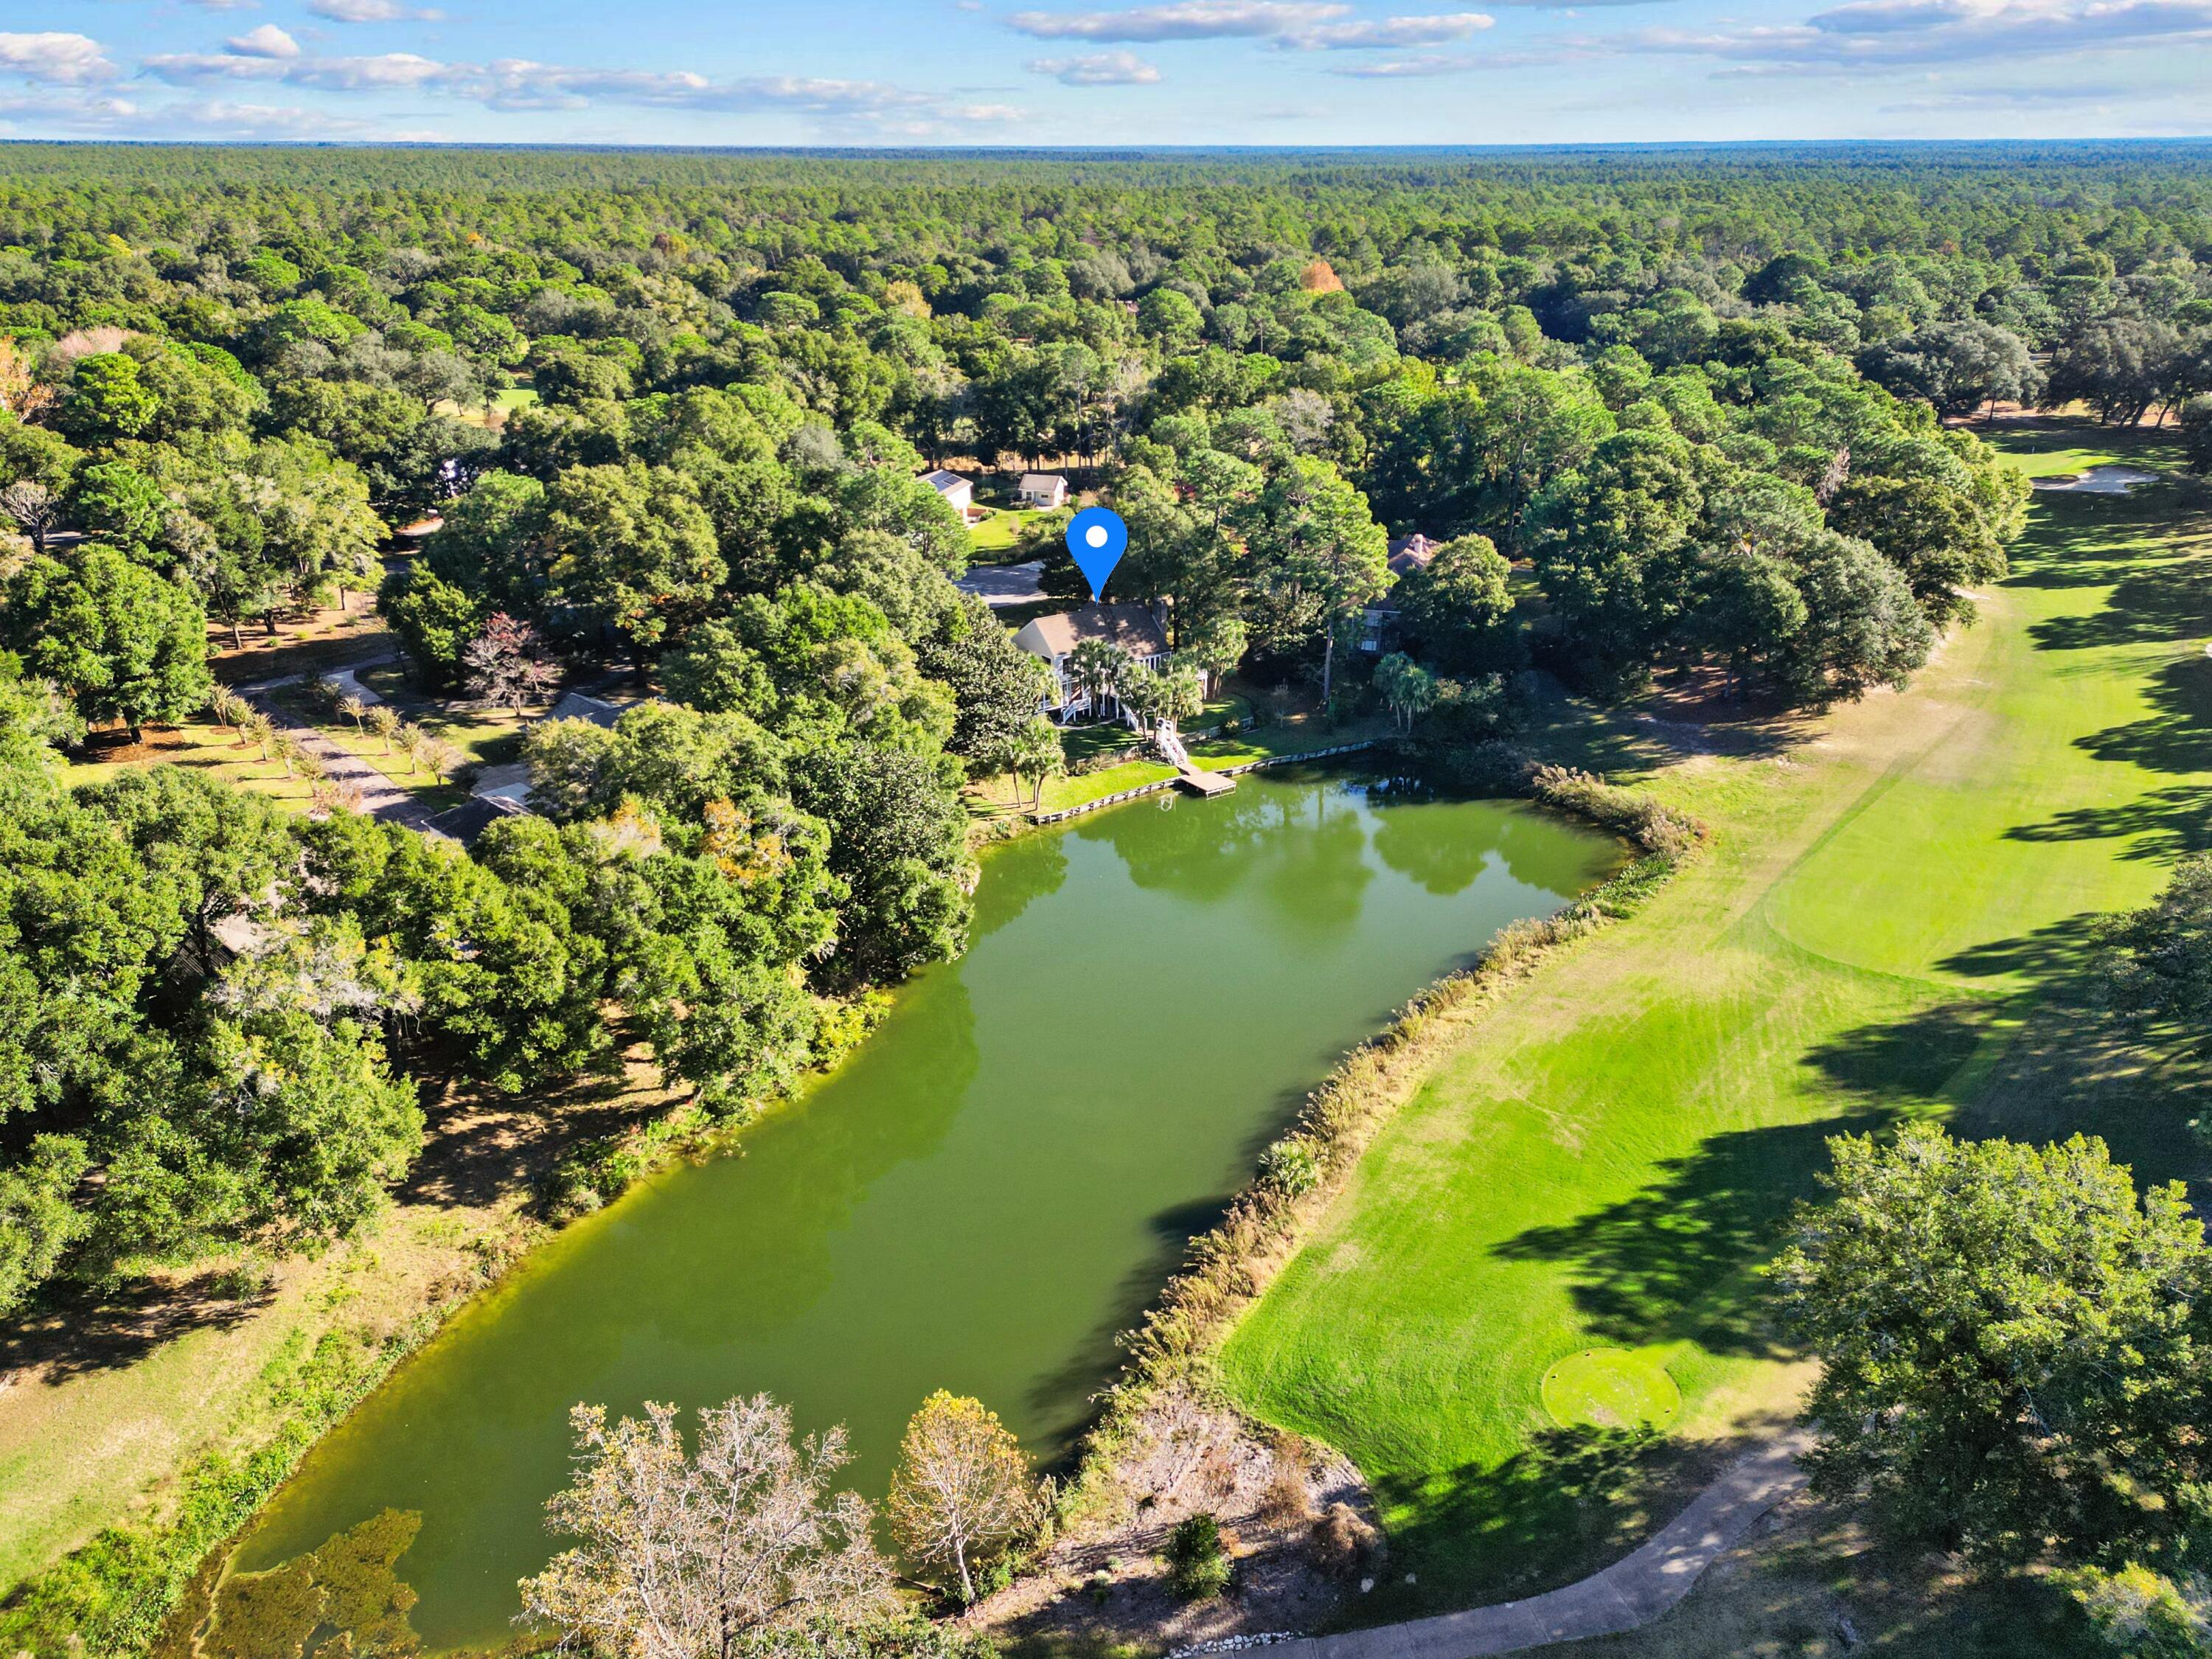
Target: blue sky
<point x="1063" y="72"/>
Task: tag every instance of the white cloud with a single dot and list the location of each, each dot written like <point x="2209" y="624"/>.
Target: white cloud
<point x="1187" y="19"/>
<point x="1874" y="35"/>
<point x="371" y="11"/>
<point x="69" y="58"/>
<point x="1097" y="68"/>
<point x="102" y="116"/>
<point x="1432" y="31"/>
<point x="392" y="68"/>
<point x="520" y="83"/>
<point x="1300" y="25"/>
<point x="267" y="41"/>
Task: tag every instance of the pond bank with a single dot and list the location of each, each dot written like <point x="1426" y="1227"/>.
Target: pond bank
<point x="1168" y="1446"/>
<point x="986" y="1193"/>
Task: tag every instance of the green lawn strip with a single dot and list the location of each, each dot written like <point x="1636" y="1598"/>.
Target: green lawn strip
<point x="2051" y="449"/>
<point x="1213" y="755"/>
<point x="1884" y="915"/>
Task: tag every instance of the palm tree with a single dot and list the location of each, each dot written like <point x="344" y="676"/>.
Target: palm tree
<point x="1408" y="687"/>
<point x="1035" y="750"/>
<point x="288" y="751"/>
<point x="422" y="750"/>
<point x="256" y="727"/>
<point x="387" y="720"/>
<point x="1098" y="667"/>
<point x="228" y="708"/>
<point x="353" y="709"/>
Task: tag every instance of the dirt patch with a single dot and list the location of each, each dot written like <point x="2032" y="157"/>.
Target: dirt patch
<point x="1698" y="713"/>
<point x="303" y="644"/>
<point x="1295" y="1516"/>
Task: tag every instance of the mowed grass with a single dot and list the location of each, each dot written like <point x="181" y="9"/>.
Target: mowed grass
<point x="1885" y="924"/>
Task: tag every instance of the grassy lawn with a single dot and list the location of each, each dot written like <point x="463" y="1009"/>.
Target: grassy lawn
<point x="203" y="749"/>
<point x="994" y="536"/>
<point x="1299" y="736"/>
<point x="1883" y="925"/>
<point x="492" y="415"/>
<point x="2054" y="449"/>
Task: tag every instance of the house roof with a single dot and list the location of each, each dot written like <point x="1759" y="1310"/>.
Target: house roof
<point x="512" y="781"/>
<point x="575" y="706"/>
<point x="940" y="481"/>
<point x="464" y="823"/>
<point x="1129" y="626"/>
<point x="1412" y="553"/>
<point x="1042" y="481"/>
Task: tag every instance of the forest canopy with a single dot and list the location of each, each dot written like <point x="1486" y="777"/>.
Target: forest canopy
<point x="1654" y="414"/>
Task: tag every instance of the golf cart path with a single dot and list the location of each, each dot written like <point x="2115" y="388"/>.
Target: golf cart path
<point x="1631" y="1593"/>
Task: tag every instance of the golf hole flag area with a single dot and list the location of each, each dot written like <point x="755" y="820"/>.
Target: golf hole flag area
<point x="1611" y="1388"/>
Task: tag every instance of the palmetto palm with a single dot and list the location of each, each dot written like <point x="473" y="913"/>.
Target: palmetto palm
<point x="353" y="709"/>
<point x="385" y="721"/>
<point x="256" y="727"/>
<point x="228" y="708"/>
<point x="1097" y="667"/>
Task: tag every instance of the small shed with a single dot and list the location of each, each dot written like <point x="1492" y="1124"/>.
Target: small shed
<point x="1045" y="489"/>
<point x="957" y="491"/>
<point x="510" y="782"/>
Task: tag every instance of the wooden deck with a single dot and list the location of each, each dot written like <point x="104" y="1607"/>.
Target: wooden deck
<point x="1205" y="783"/>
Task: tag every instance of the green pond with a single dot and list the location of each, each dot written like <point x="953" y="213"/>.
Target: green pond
<point x="982" y="1196"/>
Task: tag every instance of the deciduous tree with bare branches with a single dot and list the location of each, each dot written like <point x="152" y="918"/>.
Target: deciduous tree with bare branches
<point x="962" y="1492"/>
<point x="701" y="1556"/>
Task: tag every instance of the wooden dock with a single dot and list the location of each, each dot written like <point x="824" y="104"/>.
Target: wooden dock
<point x="1205" y="783"/>
<point x="1186" y="774"/>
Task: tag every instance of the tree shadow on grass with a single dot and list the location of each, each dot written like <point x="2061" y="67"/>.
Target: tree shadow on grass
<point x="2165" y="601"/>
<point x="77" y="1335"/>
<point x="2164" y="825"/>
<point x="2046" y="1061"/>
<point x="2177" y="735"/>
<point x="1672" y="1262"/>
<point x="1675" y="1261"/>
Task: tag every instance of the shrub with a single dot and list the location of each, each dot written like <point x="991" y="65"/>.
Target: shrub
<point x="1650" y="823"/>
<point x="1198" y="1561"/>
<point x="1286" y="1503"/>
<point x="1346" y="1540"/>
<point x="1292" y="1166"/>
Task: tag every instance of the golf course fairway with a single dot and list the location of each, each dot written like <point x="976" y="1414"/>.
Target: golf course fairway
<point x="1889" y="920"/>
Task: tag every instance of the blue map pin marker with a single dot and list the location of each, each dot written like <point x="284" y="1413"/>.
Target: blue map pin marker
<point x="1097" y="536"/>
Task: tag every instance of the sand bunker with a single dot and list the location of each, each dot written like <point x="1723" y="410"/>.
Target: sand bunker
<point x="2100" y="480"/>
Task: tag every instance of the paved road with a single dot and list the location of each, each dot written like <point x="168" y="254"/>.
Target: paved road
<point x="380" y="797"/>
<point x="1632" y="1592"/>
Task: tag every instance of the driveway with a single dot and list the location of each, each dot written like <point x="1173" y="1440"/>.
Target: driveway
<point x="997" y="585"/>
